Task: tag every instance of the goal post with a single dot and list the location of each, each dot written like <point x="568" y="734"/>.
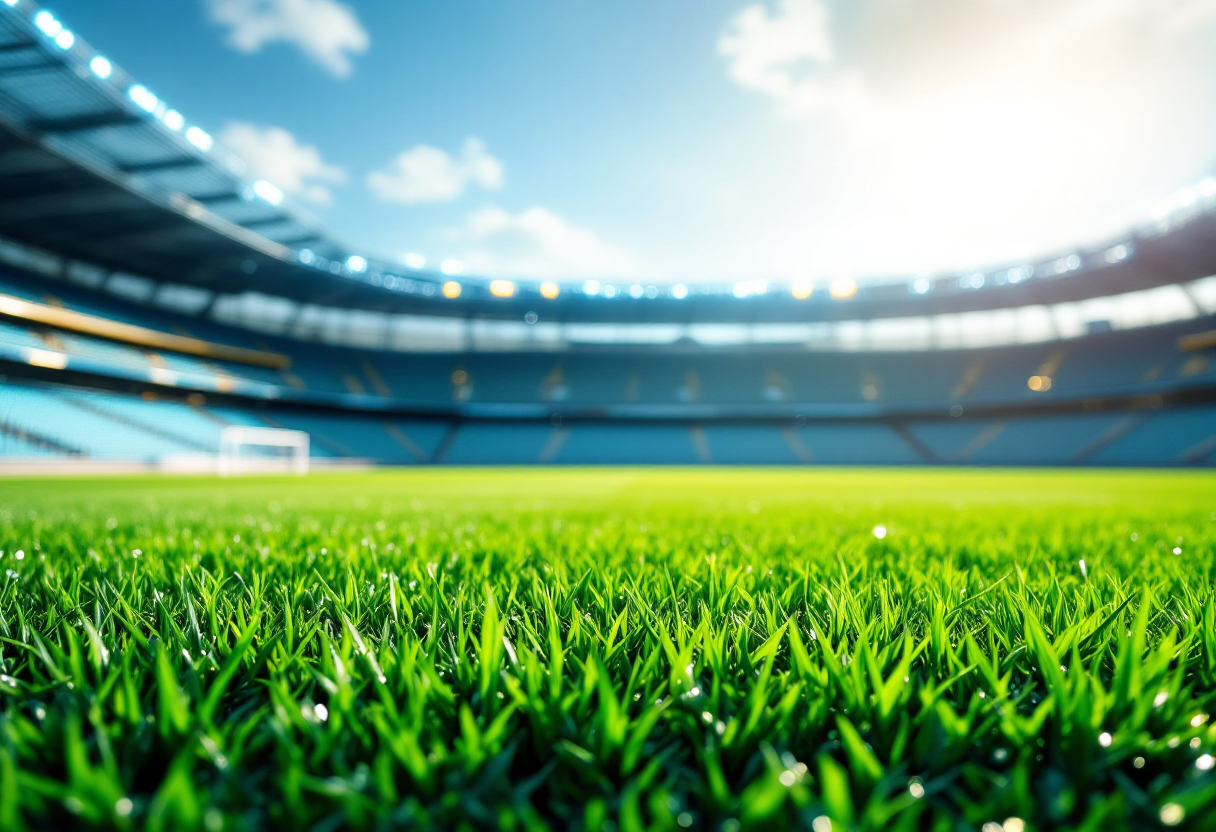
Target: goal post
<point x="247" y="450"/>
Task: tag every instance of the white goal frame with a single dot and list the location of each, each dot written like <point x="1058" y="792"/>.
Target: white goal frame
<point x="233" y="439"/>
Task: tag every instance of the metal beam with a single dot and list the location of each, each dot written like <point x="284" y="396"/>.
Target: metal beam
<point x="88" y="121"/>
<point x="176" y="163"/>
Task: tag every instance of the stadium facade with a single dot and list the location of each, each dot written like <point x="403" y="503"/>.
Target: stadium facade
<point x="151" y="293"/>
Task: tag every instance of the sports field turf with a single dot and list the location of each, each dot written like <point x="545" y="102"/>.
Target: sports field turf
<point x="620" y="649"/>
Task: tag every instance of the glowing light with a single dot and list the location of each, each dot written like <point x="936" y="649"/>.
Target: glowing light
<point x="502" y="288"/>
<point x="549" y="290"/>
<point x="356" y="263"/>
<point x="451" y="289"/>
<point x="143" y="98"/>
<point x="1105" y="739"/>
<point x="1039" y="384"/>
<point x="880" y="531"/>
<point x="46" y="358"/>
<point x="679" y="291"/>
<point x="65" y="40"/>
<point x="1207" y="188"/>
<point x="268" y="192"/>
<point x="916" y="790"/>
<point x="610" y="291"/>
<point x="802" y="289"/>
<point x="11" y="2"/>
<point x="452" y="267"/>
<point x="636" y="290"/>
<point x="200" y="138"/>
<point x="414" y="261"/>
<point x="921" y="285"/>
<point x="174" y="120"/>
<point x="101" y="66"/>
<point x="47" y="24"/>
<point x="591" y="287"/>
<point x="843" y="288"/>
<point x="1205" y="762"/>
<point x="1172" y="814"/>
<point x="306" y="256"/>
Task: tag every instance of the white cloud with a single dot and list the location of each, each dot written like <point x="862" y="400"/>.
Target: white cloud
<point x="788" y="55"/>
<point x="428" y="174"/>
<point x="275" y="155"/>
<point x="537" y="243"/>
<point x="327" y="31"/>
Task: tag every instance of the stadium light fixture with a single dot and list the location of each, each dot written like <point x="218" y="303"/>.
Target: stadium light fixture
<point x="65" y="40"/>
<point x="843" y="288"/>
<point x="609" y="291"/>
<point x="11" y="3"/>
<point x="802" y="289"/>
<point x="268" y="192"/>
<point x="356" y="263"/>
<point x="550" y="290"/>
<point x="502" y="288"/>
<point x="1207" y="188"/>
<point x="143" y="98"/>
<point x="414" y="261"/>
<point x="452" y="267"/>
<point x="591" y="287"/>
<point x="101" y="67"/>
<point x="306" y="256"/>
<point x="679" y="291"/>
<point x="921" y="285"/>
<point x="451" y="289"/>
<point x="1039" y="384"/>
<point x="1116" y="254"/>
<point x="47" y="23"/>
<point x="200" y="138"/>
<point x="637" y="290"/>
<point x="174" y="120"/>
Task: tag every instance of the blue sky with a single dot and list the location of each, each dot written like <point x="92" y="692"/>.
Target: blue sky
<point x="694" y="139"/>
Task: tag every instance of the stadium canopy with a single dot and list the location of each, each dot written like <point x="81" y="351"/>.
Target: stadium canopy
<point x="94" y="166"/>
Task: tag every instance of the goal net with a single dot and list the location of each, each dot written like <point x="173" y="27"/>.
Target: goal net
<point x="245" y="450"/>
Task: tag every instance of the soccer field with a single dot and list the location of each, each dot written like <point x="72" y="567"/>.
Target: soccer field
<point x="610" y="649"/>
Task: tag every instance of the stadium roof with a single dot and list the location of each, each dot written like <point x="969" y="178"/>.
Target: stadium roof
<point x="94" y="166"/>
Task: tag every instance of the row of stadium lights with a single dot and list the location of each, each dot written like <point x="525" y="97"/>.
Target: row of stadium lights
<point x="1184" y="202"/>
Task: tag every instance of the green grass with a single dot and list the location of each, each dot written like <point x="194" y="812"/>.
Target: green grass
<point x="622" y="649"/>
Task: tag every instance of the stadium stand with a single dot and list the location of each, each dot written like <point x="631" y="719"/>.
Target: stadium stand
<point x="150" y="296"/>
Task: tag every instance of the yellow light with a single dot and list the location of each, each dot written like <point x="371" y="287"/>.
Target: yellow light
<point x="802" y="289"/>
<point x="843" y="288"/>
<point x="451" y="289"/>
<point x="502" y="288"/>
<point x="549" y="290"/>
<point x="46" y="358"/>
<point x="1039" y="384"/>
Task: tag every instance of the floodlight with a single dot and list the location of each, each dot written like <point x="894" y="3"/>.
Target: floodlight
<point x="550" y="290"/>
<point x="452" y="267"/>
<point x="414" y="261"/>
<point x="502" y="288"/>
<point x="610" y="291"/>
<point x="679" y="291"/>
<point x="11" y="2"/>
<point x="199" y="138"/>
<point x="451" y="289"/>
<point x="174" y="120"/>
<point x="921" y="285"/>
<point x="306" y="256"/>
<point x="47" y="23"/>
<point x="1116" y="254"/>
<point x="1207" y="188"/>
<point x="268" y="192"/>
<point x="101" y="66"/>
<point x="143" y="98"/>
<point x="356" y="263"/>
<point x="843" y="288"/>
<point x="591" y="287"/>
<point x="802" y="289"/>
<point x="65" y="40"/>
<point x="636" y="290"/>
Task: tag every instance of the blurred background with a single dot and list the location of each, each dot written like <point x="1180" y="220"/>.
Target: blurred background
<point x="309" y="232"/>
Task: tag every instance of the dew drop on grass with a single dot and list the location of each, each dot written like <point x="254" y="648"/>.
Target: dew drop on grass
<point x="1172" y="814"/>
<point x="123" y="807"/>
<point x="1138" y="762"/>
<point x="1205" y="762"/>
<point x="822" y="823"/>
<point x="880" y="531"/>
<point x="1160" y="698"/>
<point x="787" y="778"/>
<point x="916" y="790"/>
<point x="1105" y="739"/>
<point x="1013" y="825"/>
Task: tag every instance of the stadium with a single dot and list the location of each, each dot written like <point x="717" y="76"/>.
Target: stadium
<point x="584" y="553"/>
